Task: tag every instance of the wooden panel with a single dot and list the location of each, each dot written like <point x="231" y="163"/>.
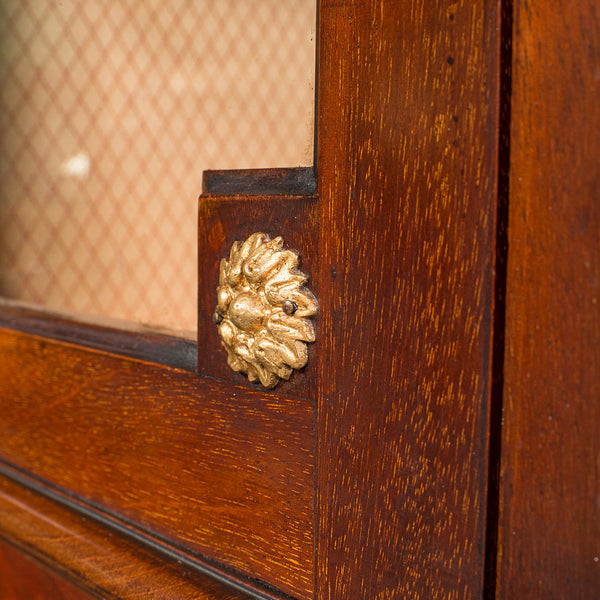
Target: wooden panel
<point x="22" y="577"/>
<point x="226" y="473"/>
<point x="88" y="553"/>
<point x="407" y="182"/>
<point x="222" y="221"/>
<point x="550" y="504"/>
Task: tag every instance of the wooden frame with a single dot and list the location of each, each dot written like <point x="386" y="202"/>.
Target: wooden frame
<point x="375" y="472"/>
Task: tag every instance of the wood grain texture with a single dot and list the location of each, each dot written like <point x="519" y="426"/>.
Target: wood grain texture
<point x="550" y="503"/>
<point x="21" y="578"/>
<point x="224" y="472"/>
<point x="226" y="219"/>
<point x="87" y="553"/>
<point x="407" y="182"/>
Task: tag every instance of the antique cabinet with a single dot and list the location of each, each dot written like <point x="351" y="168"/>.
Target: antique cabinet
<point x="442" y="440"/>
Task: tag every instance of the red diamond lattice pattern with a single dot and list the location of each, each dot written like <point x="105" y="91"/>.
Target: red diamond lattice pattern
<point x="109" y="112"/>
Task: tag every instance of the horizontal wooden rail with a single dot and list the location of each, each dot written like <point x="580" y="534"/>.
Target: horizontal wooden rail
<point x="224" y="473"/>
<point x="97" y="557"/>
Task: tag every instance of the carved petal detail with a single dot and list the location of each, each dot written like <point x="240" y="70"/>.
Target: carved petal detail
<point x="263" y="310"/>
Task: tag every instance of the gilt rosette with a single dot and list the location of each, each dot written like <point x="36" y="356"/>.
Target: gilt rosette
<point x="264" y="310"/>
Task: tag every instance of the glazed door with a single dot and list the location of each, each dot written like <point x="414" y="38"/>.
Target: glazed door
<point x="381" y="469"/>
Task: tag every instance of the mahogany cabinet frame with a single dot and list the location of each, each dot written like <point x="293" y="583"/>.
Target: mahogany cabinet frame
<point x="399" y="239"/>
<point x="373" y="473"/>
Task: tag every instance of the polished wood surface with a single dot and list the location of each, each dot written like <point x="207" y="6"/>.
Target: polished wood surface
<point x="21" y="578"/>
<point x="449" y="141"/>
<point x="98" y="559"/>
<point x="550" y="494"/>
<point x="408" y="112"/>
<point x="227" y="473"/>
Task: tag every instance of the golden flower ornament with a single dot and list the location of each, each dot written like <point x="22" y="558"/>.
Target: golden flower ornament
<point x="263" y="310"/>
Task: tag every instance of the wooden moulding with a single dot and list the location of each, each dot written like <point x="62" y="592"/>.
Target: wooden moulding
<point x="81" y="554"/>
<point x="299" y="181"/>
<point x="226" y="219"/>
<point x="225" y="475"/>
<point x="101" y="333"/>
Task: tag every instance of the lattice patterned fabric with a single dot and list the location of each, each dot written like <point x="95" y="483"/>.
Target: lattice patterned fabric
<point x="109" y="112"/>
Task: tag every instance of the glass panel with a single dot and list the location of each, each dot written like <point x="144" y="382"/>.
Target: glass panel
<point x="109" y="113"/>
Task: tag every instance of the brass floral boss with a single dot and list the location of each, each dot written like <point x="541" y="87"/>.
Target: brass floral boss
<point x="263" y="310"/>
